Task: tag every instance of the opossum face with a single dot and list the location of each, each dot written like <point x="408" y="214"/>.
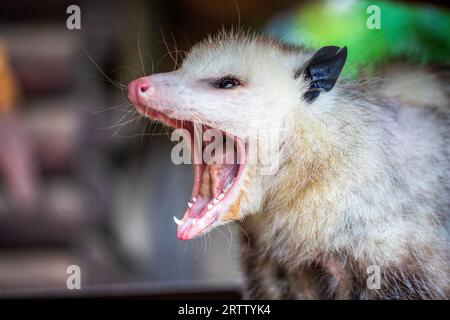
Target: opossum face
<point x="235" y="96"/>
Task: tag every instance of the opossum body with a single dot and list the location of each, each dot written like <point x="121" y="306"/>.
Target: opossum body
<point x="359" y="207"/>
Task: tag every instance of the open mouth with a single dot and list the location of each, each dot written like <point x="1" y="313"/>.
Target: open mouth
<point x="217" y="180"/>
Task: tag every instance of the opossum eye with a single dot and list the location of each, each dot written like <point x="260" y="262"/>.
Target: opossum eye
<point x="226" y="83"/>
<point x="323" y="70"/>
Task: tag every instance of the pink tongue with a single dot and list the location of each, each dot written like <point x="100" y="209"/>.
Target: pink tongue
<point x="222" y="175"/>
<point x="224" y="170"/>
<point x="213" y="179"/>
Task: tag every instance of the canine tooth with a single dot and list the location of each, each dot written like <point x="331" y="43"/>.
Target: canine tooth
<point x="210" y="206"/>
<point x="194" y="199"/>
<point x="189" y="205"/>
<point x="177" y="221"/>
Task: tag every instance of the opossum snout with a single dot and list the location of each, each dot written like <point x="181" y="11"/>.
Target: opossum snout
<point x="137" y="89"/>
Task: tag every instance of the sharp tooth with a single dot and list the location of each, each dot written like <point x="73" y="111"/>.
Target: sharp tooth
<point x="215" y="201"/>
<point x="194" y="199"/>
<point x="189" y="205"/>
<point x="221" y="196"/>
<point x="210" y="206"/>
<point x="177" y="221"/>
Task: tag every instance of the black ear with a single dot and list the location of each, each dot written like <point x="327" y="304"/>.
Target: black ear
<point x="323" y="70"/>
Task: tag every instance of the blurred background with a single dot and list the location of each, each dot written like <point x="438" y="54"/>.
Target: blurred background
<point x="84" y="181"/>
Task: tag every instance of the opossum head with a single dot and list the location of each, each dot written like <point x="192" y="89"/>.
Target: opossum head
<point x="233" y="96"/>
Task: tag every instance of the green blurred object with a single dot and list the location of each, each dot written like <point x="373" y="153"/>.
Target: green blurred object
<point x="418" y="32"/>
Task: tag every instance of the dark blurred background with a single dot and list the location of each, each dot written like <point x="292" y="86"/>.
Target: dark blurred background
<point x="85" y="182"/>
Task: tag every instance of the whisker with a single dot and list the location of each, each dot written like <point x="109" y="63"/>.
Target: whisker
<point x="133" y="119"/>
<point x="166" y="45"/>
<point x="151" y="60"/>
<point x="140" y="55"/>
<point x="113" y="82"/>
<point x="238" y="11"/>
<point x="120" y="107"/>
<point x="119" y="124"/>
<point x="245" y="233"/>
<point x="101" y="71"/>
<point x="231" y="239"/>
<point x="177" y="52"/>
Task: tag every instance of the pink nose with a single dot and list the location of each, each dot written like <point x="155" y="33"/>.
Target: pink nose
<point x="137" y="89"/>
<point x="142" y="86"/>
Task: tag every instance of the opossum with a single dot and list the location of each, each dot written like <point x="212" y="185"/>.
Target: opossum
<point x="358" y="206"/>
